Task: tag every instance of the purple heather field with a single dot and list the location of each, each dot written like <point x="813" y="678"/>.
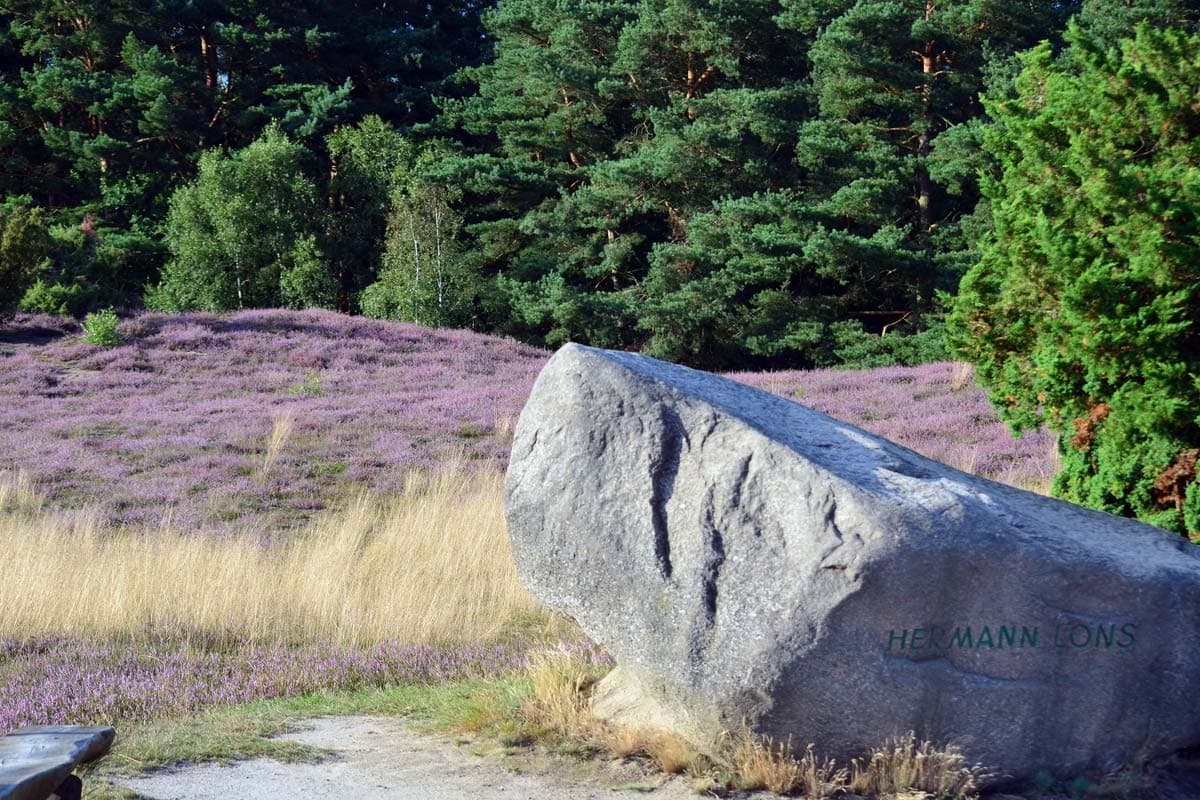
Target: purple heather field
<point x="175" y="423"/>
<point x="68" y="680"/>
<point x="176" y="420"/>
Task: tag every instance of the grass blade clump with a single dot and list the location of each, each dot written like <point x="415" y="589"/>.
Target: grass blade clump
<point x="432" y="564"/>
<point x="766" y="764"/>
<point x="904" y="764"/>
<point x="281" y="431"/>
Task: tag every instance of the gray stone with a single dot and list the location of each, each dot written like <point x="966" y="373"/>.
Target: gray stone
<point x="36" y="761"/>
<point x="749" y="560"/>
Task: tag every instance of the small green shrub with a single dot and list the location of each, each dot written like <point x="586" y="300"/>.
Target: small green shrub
<point x="100" y="328"/>
<point x="309" y="387"/>
<point x="473" y="432"/>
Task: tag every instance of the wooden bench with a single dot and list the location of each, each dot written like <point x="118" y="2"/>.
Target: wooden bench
<point x="36" y="763"/>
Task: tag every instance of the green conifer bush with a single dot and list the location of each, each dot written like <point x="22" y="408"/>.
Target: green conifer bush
<point x="1083" y="311"/>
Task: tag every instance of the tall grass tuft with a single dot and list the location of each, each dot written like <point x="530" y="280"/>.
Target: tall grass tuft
<point x="281" y="430"/>
<point x="765" y="764"/>
<point x="560" y="684"/>
<point x="558" y="704"/>
<point x="430" y="565"/>
<point x="17" y="494"/>
<point x="904" y="765"/>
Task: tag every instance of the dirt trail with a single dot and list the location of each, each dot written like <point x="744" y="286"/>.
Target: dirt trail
<point x="381" y="758"/>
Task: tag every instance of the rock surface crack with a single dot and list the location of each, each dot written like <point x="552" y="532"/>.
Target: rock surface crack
<point x="663" y="470"/>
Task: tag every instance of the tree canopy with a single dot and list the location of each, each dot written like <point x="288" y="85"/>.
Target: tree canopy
<point x="106" y="108"/>
<point x="724" y="182"/>
<point x="755" y="183"/>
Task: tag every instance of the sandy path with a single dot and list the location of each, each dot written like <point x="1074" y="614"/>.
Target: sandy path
<point x="380" y="758"/>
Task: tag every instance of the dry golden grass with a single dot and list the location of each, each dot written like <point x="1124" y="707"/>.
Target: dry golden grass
<point x="963" y="377"/>
<point x="1014" y="476"/>
<point x="904" y="765"/>
<point x="556" y="706"/>
<point x="668" y="752"/>
<point x="764" y="764"/>
<point x="559" y="703"/>
<point x="560" y="684"/>
<point x="281" y="431"/>
<point x="506" y="426"/>
<point x="760" y="765"/>
<point x="900" y="767"/>
<point x="671" y="754"/>
<point x="431" y="565"/>
<point x="17" y="494"/>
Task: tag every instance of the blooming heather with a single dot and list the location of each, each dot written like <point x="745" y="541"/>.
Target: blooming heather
<point x="176" y="423"/>
<point x="68" y="680"/>
<point x="935" y="409"/>
<point x="256" y="420"/>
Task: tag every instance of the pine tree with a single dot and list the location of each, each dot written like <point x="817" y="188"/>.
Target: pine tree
<point x="717" y="182"/>
<point x="890" y="162"/>
<point x="1110" y="21"/>
<point x="601" y="132"/>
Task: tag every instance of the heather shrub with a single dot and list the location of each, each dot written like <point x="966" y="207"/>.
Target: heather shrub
<point x="121" y="682"/>
<point x="179" y="423"/>
<point x="100" y="328"/>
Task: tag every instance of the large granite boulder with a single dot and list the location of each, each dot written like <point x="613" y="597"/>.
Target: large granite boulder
<point x="747" y="560"/>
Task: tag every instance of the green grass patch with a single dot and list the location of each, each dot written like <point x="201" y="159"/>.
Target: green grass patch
<point x="487" y="708"/>
<point x="473" y="432"/>
<point x="309" y="387"/>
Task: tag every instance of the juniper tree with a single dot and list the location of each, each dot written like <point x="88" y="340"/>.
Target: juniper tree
<point x="1083" y="310"/>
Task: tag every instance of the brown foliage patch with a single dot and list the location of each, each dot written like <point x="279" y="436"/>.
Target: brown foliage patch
<point x="1171" y="486"/>
<point x="1086" y="427"/>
